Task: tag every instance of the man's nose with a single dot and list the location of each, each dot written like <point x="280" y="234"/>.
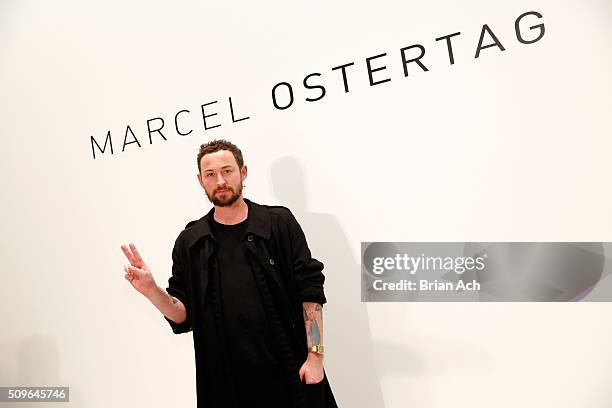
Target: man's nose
<point x="220" y="180"/>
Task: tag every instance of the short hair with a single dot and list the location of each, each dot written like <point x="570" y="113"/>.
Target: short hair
<point x="220" y="144"/>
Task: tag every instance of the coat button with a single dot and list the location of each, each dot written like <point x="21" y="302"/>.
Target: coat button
<point x="249" y="238"/>
<point x="271" y="261"/>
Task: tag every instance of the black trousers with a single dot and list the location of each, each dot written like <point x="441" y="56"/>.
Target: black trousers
<point x="263" y="388"/>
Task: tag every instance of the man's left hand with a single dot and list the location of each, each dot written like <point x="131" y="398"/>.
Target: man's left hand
<point x="311" y="371"/>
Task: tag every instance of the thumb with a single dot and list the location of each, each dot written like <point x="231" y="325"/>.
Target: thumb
<point x="135" y="271"/>
<point x="302" y="374"/>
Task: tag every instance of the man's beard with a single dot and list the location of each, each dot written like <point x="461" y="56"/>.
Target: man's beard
<point x="227" y="201"/>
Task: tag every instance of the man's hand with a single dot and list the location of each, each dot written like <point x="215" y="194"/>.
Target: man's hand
<point x="137" y="272"/>
<point x="311" y="371"/>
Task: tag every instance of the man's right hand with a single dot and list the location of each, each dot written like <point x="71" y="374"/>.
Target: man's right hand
<point x="137" y="272"/>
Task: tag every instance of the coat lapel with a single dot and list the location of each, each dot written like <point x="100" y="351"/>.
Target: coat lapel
<point x="267" y="266"/>
<point x="204" y="254"/>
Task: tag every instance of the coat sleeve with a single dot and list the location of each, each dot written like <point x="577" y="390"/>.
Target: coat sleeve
<point x="178" y="289"/>
<point x="308" y="271"/>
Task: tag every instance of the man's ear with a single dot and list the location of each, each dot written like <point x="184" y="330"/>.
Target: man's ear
<point x="243" y="172"/>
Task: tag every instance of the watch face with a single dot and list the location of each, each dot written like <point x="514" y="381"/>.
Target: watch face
<point x="317" y="349"/>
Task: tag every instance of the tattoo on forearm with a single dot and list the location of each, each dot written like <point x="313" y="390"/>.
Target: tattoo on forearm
<point x="313" y="318"/>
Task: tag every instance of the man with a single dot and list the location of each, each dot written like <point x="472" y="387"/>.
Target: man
<point x="244" y="282"/>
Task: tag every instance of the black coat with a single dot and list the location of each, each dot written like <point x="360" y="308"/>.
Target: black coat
<point x="285" y="273"/>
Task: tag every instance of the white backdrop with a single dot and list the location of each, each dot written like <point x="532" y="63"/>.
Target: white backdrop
<point x="512" y="146"/>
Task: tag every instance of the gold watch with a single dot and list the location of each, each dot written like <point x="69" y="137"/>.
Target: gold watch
<point x="318" y="349"/>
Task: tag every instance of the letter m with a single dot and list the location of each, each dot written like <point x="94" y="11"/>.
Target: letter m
<point x="108" y="140"/>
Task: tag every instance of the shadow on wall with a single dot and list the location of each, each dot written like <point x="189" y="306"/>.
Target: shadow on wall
<point x="357" y="368"/>
<point x="37" y="361"/>
<point x="354" y="379"/>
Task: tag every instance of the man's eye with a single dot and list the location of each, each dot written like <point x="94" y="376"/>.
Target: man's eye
<point x="208" y="175"/>
<point x="228" y="171"/>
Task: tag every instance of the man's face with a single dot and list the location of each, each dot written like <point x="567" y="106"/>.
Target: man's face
<point x="221" y="178"/>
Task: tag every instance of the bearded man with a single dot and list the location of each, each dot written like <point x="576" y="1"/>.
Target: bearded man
<point x="245" y="284"/>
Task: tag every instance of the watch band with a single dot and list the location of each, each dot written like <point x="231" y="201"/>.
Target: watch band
<point x="317" y="349"/>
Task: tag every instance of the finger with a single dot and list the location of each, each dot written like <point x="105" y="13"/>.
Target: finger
<point x="137" y="256"/>
<point x="126" y="269"/>
<point x="127" y="253"/>
<point x="302" y="376"/>
<point x="133" y="270"/>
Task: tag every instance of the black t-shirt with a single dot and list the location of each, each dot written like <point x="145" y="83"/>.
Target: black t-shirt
<point x="247" y="331"/>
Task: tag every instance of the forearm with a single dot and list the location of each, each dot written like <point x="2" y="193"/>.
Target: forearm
<point x="313" y="319"/>
<point x="168" y="305"/>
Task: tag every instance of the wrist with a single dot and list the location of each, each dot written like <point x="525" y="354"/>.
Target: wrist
<point x="316" y="352"/>
<point x="314" y="357"/>
<point x="155" y="294"/>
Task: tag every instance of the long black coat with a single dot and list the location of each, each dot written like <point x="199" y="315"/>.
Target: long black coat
<point x="285" y="273"/>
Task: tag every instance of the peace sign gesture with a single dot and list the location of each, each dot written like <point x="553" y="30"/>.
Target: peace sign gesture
<point x="137" y="272"/>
